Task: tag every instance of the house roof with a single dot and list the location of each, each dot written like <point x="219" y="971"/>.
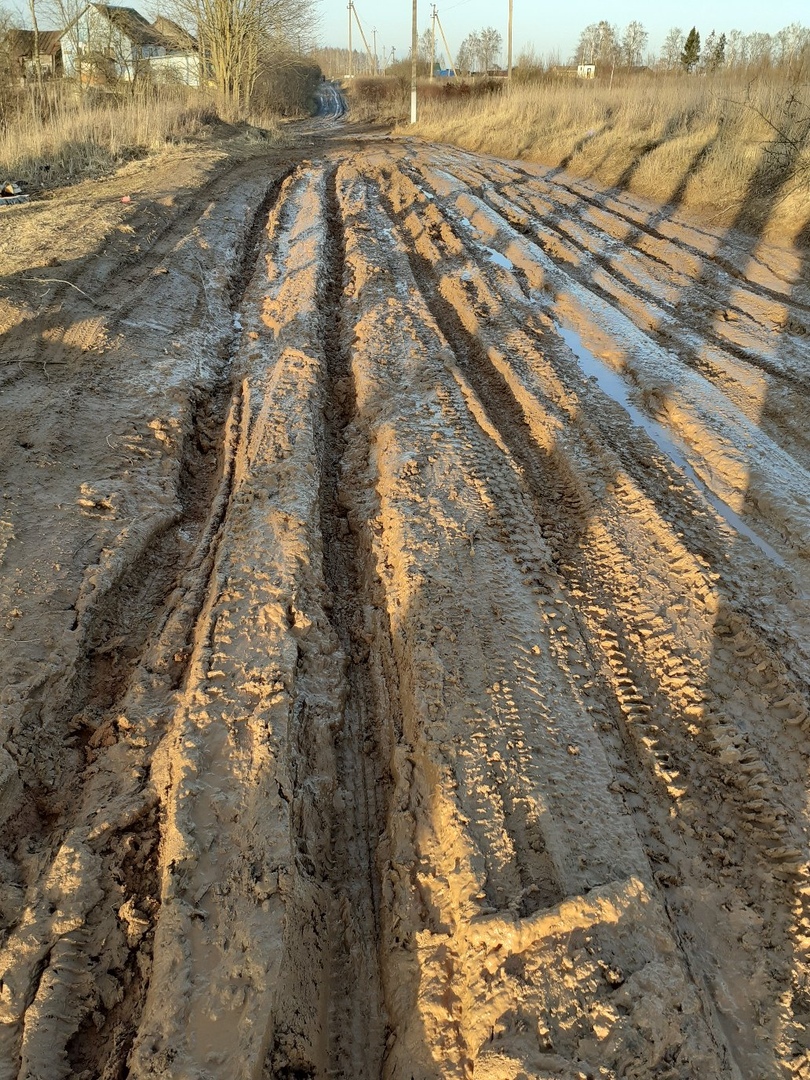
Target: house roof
<point x="132" y="25"/>
<point x="21" y="42"/>
<point x="174" y="33"/>
<point x="162" y="32"/>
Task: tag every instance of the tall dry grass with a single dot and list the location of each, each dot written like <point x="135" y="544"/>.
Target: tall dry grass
<point x="49" y="141"/>
<point x="737" y="151"/>
<point x="59" y="139"/>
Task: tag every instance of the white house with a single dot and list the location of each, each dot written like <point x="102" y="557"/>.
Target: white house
<point x="106" y="43"/>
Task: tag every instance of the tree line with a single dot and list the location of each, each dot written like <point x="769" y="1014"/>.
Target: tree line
<point x="605" y="44"/>
<point x="480" y="51"/>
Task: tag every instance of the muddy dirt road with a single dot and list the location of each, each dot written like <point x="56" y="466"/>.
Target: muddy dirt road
<point x="405" y="592"/>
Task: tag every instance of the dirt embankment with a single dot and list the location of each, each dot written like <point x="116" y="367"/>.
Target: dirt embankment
<point x="405" y="582"/>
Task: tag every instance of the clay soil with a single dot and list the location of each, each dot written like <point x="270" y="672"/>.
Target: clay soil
<point x="404" y="589"/>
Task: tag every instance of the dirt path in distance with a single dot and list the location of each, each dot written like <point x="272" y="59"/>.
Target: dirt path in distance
<point x="405" y="580"/>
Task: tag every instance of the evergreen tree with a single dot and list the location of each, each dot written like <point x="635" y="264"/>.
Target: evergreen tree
<point x="691" y="50"/>
<point x="716" y="56"/>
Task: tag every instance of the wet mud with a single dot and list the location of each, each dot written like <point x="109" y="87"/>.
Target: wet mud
<point x="405" y="580"/>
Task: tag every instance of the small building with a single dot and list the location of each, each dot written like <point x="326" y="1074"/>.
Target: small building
<point x="21" y="47"/>
<point x="586" y="71"/>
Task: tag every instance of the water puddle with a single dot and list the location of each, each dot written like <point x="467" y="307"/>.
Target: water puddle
<point x="498" y="259"/>
<point x="612" y="384"/>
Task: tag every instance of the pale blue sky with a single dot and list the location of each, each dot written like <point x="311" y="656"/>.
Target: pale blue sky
<point x="552" y="26"/>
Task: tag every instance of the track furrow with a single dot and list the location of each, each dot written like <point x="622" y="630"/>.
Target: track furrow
<point x="357" y="1027"/>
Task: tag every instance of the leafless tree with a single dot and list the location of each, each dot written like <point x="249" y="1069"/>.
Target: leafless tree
<point x="237" y="38"/>
<point x="598" y="44"/>
<point x="491" y="45"/>
<point x="8" y="67"/>
<point x="634" y="41"/>
<point x="479" y="51"/>
<point x="469" y="53"/>
<point x="672" y="48"/>
<point x="65" y="14"/>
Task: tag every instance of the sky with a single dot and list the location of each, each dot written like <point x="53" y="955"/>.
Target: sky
<point x="553" y="27"/>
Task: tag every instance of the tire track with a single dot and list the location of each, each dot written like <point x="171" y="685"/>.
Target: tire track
<point x="622" y="291"/>
<point x="470" y="775"/>
<point x="667" y="761"/>
<point x="108" y="893"/>
<point x="522" y="214"/>
<point x="580" y="195"/>
<point x="134" y="626"/>
<point x="357" y="1025"/>
<point x="731" y="450"/>
<point x="431" y="725"/>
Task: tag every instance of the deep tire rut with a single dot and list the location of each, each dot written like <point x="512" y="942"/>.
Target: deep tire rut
<point x="357" y="1028"/>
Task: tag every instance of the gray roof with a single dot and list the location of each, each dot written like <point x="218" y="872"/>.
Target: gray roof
<point x="21" y="42"/>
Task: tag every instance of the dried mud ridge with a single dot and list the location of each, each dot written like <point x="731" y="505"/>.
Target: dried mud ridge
<point x="405" y="575"/>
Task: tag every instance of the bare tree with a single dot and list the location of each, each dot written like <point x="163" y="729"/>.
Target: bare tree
<point x="735" y="49"/>
<point x="587" y="44"/>
<point x="468" y="53"/>
<point x="607" y="50"/>
<point x="789" y="44"/>
<point x="425" y="46"/>
<point x="491" y="45"/>
<point x="634" y="41"/>
<point x="238" y="37"/>
<point x="759" y="48"/>
<point x="9" y="69"/>
<point x="479" y="51"/>
<point x="672" y="48"/>
<point x="599" y="44"/>
<point x="66" y="14"/>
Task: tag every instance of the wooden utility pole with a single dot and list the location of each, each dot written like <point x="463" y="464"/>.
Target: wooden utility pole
<point x="450" y="65"/>
<point x="414" y="50"/>
<point x="509" y="44"/>
<point x="365" y="39"/>
<point x="432" y="40"/>
<point x="351" y="4"/>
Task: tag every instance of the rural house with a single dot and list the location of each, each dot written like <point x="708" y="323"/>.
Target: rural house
<point x="110" y="43"/>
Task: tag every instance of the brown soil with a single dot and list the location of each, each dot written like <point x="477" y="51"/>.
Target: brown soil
<point x="405" y="584"/>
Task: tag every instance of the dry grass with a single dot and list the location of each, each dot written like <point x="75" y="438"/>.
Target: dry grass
<point x="386" y="100"/>
<point x="63" y="139"/>
<point x="709" y="144"/>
